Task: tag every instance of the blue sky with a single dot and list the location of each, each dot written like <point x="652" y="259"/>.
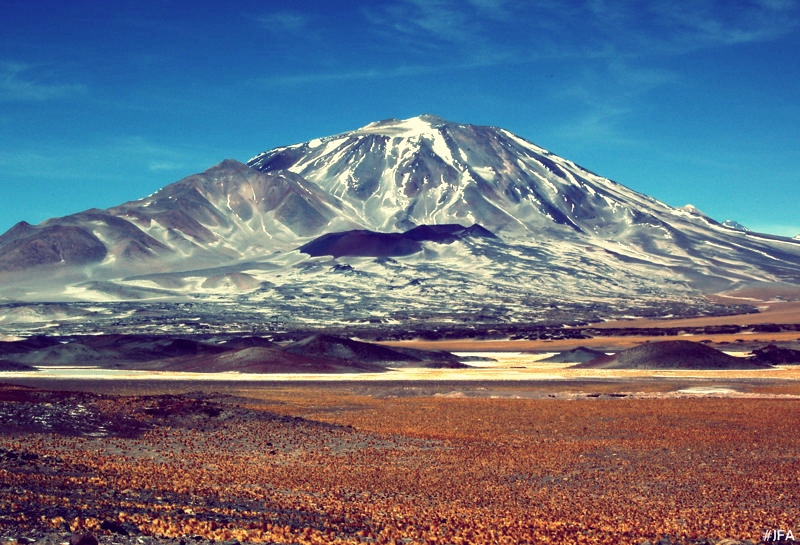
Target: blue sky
<point x="687" y="101"/>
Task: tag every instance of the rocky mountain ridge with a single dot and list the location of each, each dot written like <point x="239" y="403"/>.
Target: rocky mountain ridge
<point x="235" y="232"/>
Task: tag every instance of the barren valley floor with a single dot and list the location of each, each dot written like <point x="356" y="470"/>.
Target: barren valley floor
<point x="401" y="461"/>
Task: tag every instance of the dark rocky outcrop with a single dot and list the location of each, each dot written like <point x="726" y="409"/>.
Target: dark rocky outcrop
<point x="774" y="355"/>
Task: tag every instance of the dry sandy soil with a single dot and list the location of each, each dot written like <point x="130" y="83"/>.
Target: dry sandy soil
<point x="610" y="342"/>
<point x="400" y="462"/>
<point x="739" y="342"/>
<point x="770" y="312"/>
<point x="777" y="312"/>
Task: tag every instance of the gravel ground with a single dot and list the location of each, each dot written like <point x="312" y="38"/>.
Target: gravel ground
<point x="41" y="426"/>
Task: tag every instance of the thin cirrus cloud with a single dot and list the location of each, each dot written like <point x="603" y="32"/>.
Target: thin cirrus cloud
<point x="22" y="82"/>
<point x="377" y="73"/>
<point x="448" y="34"/>
<point x="615" y="50"/>
<point x="413" y="29"/>
<point x="350" y="75"/>
<point x="78" y="161"/>
<point x="284" y="22"/>
<point x="738" y="23"/>
<point x="592" y="28"/>
<point x="665" y="27"/>
<point x="423" y="27"/>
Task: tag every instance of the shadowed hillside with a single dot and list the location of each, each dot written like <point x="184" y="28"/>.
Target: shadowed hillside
<point x="671" y="355"/>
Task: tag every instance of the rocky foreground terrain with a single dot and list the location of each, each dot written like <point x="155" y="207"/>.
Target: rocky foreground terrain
<point x="149" y="463"/>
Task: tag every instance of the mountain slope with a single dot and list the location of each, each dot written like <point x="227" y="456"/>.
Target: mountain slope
<point x="566" y="238"/>
<point x="221" y="215"/>
<point x="397" y="174"/>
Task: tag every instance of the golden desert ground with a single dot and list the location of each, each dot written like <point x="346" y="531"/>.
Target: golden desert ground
<point x="368" y="462"/>
<point x="524" y="453"/>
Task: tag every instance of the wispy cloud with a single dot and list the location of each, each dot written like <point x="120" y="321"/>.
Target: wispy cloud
<point x="497" y="9"/>
<point x="62" y="178"/>
<point x="22" y="82"/>
<point x="614" y="48"/>
<point x="617" y="77"/>
<point x="347" y="75"/>
<point x="499" y="30"/>
<point x="440" y="28"/>
<point x="597" y="124"/>
<point x="68" y="162"/>
<point x="665" y="27"/>
<point x="422" y="36"/>
<point x="439" y="20"/>
<point x="604" y="95"/>
<point x="366" y="74"/>
<point x="157" y="157"/>
<point x="707" y="24"/>
<point x="621" y="60"/>
<point x="284" y="21"/>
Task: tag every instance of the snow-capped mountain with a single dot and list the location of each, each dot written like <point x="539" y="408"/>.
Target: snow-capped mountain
<point x="562" y="233"/>
<point x="395" y="174"/>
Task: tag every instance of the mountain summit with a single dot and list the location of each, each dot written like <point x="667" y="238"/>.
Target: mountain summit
<point x="396" y="174"/>
<point x="560" y="232"/>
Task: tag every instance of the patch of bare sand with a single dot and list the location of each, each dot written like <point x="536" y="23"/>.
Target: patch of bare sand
<point x="776" y="312"/>
<point x="765" y="292"/>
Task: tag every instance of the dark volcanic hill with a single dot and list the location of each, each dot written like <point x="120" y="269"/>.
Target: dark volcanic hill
<point x="338" y="348"/>
<point x="314" y="354"/>
<point x="363" y="243"/>
<point x="260" y="359"/>
<point x="6" y="365"/>
<point x="384" y="212"/>
<point x="579" y="354"/>
<point x="671" y="355"/>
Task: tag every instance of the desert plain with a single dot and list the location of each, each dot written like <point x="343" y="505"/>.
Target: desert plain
<point x="510" y="452"/>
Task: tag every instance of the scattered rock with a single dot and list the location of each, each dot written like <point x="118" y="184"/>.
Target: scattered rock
<point x="83" y="539"/>
<point x="117" y="528"/>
